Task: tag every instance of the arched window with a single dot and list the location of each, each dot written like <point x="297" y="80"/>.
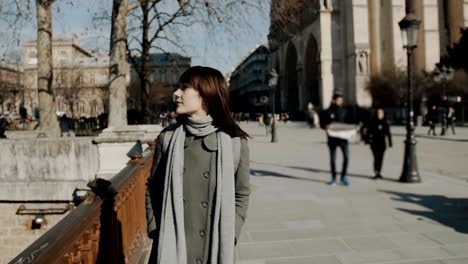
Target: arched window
<point x="81" y="107"/>
<point x="94" y="108"/>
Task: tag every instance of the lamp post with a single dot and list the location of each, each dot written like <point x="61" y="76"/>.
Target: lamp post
<point x="443" y="75"/>
<point x="273" y="82"/>
<point x="409" y="28"/>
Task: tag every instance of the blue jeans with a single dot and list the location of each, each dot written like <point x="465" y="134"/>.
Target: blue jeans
<point x="333" y="143"/>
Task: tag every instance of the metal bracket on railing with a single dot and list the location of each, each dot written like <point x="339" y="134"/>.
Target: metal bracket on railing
<point x="136" y="151"/>
<point x="152" y="145"/>
<point x="102" y="188"/>
<point x="136" y="154"/>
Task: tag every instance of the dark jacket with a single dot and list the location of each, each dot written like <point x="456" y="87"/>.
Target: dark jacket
<point x="433" y="116"/>
<point x="331" y="115"/>
<point x="3" y="125"/>
<point x="199" y="191"/>
<point x="377" y="131"/>
<point x="451" y="117"/>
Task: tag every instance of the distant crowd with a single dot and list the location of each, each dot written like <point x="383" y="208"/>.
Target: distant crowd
<point x="438" y="118"/>
<point x="445" y="117"/>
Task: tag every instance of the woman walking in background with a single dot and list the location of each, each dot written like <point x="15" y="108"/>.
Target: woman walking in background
<point x="378" y="131"/>
<point x="198" y="191"/>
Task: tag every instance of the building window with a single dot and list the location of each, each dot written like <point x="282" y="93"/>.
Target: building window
<point x="94" y="108"/>
<point x="175" y="77"/>
<point x="80" y="79"/>
<point x="63" y="57"/>
<point x="32" y="57"/>
<point x="163" y="76"/>
<point x="81" y="108"/>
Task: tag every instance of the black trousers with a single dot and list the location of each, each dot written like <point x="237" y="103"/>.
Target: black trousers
<point x="452" y="126"/>
<point x="432" y="127"/>
<point x="334" y="143"/>
<point x="378" y="153"/>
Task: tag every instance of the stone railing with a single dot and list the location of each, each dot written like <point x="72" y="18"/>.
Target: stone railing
<point x="108" y="227"/>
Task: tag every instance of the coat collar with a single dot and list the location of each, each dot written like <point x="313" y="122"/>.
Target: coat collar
<point x="210" y="141"/>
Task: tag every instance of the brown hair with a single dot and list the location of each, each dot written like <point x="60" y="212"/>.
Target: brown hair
<point x="212" y="86"/>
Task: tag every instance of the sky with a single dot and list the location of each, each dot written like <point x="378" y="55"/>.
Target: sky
<point x="220" y="46"/>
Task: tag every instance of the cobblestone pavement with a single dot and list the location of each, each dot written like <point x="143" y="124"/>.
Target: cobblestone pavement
<point x="295" y="217"/>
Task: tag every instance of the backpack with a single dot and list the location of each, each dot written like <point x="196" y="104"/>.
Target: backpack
<point x="236" y="145"/>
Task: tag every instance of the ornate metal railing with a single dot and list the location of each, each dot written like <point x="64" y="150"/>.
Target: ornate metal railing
<point x="108" y="227"/>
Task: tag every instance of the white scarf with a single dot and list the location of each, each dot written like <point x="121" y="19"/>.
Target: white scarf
<point x="172" y="247"/>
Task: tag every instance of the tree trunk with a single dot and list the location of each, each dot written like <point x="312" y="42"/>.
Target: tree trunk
<point x="118" y="68"/>
<point x="145" y="57"/>
<point x="47" y="107"/>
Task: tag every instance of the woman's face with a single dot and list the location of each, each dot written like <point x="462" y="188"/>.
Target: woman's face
<point x="380" y="114"/>
<point x="189" y="102"/>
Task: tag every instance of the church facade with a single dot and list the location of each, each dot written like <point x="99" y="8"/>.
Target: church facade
<point x="336" y="45"/>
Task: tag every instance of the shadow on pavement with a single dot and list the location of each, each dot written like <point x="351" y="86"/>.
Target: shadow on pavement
<point x="451" y="212"/>
<point x="353" y="175"/>
<point x="437" y="137"/>
<point x="329" y="172"/>
<point x="275" y="174"/>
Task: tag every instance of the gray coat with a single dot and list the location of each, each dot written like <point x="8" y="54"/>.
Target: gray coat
<point x="199" y="191"/>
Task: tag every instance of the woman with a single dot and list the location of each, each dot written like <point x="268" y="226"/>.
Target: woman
<point x="198" y="191"/>
<point x="378" y="130"/>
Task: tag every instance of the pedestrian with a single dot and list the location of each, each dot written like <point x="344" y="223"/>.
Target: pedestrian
<point x="443" y="120"/>
<point x="23" y="112"/>
<point x="432" y="117"/>
<point x="451" y="119"/>
<point x="377" y="132"/>
<point x="64" y="125"/>
<point x="285" y="117"/>
<point x="260" y="120"/>
<point x="312" y="116"/>
<point x="198" y="190"/>
<point x="338" y="134"/>
<point x="267" y="122"/>
<point x="3" y="125"/>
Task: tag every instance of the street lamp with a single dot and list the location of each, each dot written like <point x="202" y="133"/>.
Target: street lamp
<point x="443" y="75"/>
<point x="409" y="29"/>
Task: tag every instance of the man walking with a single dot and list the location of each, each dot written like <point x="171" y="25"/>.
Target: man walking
<point x="432" y="117"/>
<point x="451" y="119"/>
<point x="338" y="134"/>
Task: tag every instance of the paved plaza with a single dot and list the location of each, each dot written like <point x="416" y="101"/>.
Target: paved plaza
<point x="295" y="217"/>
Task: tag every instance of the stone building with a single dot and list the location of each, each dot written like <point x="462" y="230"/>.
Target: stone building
<point x="80" y="78"/>
<point x="333" y="45"/>
<point x="11" y="87"/>
<point x="248" y="84"/>
<point x="164" y="72"/>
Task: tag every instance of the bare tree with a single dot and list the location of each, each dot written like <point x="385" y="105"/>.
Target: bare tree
<point x="156" y="21"/>
<point x="148" y="16"/>
<point x="286" y="15"/>
<point x="118" y="69"/>
<point x="16" y="13"/>
<point x="47" y="107"/>
<point x="14" y="16"/>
